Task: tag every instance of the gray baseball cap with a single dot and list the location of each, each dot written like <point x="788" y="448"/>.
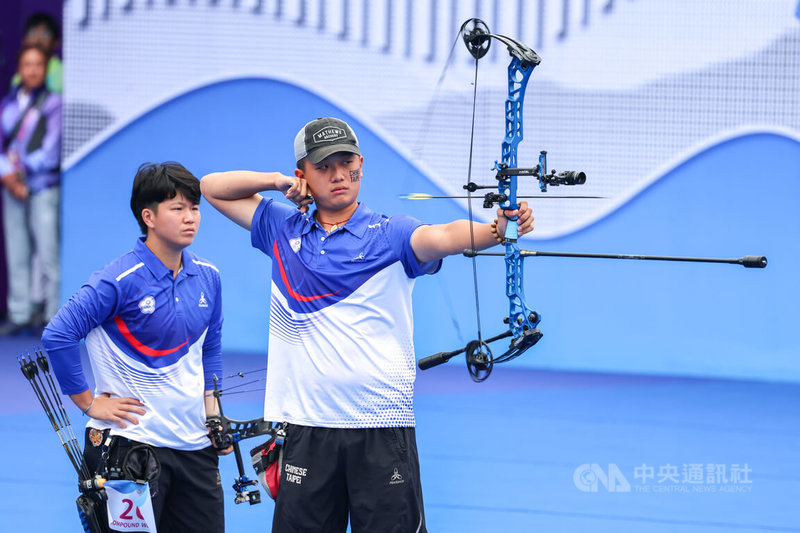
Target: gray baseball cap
<point x="322" y="137"/>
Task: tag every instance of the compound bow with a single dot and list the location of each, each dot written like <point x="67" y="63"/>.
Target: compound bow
<point x="522" y="320"/>
<point x="224" y="432"/>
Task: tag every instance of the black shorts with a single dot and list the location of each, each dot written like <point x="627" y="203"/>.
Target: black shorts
<point x="371" y="474"/>
<point x="187" y="496"/>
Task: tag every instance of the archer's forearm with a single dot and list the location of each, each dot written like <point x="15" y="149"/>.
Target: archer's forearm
<point x="239" y="184"/>
<point x="483" y="237"/>
<point x="210" y="401"/>
<point x="431" y="243"/>
<point x="83" y="400"/>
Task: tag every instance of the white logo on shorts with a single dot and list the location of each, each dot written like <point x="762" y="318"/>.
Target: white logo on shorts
<point x="396" y="478"/>
<point x="295" y="474"/>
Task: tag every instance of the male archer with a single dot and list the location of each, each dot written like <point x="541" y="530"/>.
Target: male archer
<point x="341" y="364"/>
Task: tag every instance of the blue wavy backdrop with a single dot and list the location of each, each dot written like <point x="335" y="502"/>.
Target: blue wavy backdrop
<point x="737" y="198"/>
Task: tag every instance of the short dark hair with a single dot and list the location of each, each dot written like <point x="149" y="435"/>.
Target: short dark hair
<point x="44" y="19"/>
<point x="26" y="47"/>
<point x="155" y="183"/>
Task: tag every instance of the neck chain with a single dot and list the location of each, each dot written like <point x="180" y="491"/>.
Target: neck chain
<point x="333" y="225"/>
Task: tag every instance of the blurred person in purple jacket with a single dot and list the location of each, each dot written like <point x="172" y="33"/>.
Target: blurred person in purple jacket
<point x="30" y="132"/>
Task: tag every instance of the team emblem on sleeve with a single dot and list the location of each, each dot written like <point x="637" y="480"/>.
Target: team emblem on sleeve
<point x="147" y="305"/>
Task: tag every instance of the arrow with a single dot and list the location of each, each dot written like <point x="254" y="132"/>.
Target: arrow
<point x="423" y="196"/>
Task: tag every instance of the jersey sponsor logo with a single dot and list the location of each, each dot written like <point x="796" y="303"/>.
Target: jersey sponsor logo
<point x="359" y="258"/>
<point x="147" y="305"/>
<point x="295" y="244"/>
<point x="202" y="302"/>
<point x="396" y="478"/>
<point x="373" y="226"/>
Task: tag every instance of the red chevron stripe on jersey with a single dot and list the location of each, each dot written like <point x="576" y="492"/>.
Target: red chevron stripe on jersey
<point x="146" y="350"/>
<point x="292" y="293"/>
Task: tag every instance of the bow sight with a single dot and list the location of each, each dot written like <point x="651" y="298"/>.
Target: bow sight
<point x="568" y="177"/>
<point x="522" y="320"/>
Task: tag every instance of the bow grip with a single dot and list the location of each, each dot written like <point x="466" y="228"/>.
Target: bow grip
<point x="512" y="230"/>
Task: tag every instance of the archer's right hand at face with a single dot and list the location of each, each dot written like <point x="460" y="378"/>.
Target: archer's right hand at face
<point x="298" y="193"/>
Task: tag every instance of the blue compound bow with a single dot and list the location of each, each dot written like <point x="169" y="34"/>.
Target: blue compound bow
<point x="522" y="320"/>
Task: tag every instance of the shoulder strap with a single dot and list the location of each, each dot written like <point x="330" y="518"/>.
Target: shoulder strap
<point x="36" y="103"/>
<point x="40" y="130"/>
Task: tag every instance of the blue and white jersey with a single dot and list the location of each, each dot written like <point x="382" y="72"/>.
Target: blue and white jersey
<point x="341" y="350"/>
<point x="149" y="336"/>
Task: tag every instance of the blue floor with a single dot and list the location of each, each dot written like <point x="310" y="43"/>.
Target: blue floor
<point x="513" y="454"/>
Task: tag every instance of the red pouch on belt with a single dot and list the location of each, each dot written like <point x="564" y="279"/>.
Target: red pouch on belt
<point x="267" y="462"/>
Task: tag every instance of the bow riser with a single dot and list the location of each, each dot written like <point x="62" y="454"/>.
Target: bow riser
<point x="518" y="76"/>
<point x="521" y="318"/>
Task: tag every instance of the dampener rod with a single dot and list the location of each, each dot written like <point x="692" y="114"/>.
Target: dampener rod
<point x="748" y="261"/>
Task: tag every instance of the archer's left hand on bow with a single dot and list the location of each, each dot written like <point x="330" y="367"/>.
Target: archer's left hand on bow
<point x="523" y="215"/>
